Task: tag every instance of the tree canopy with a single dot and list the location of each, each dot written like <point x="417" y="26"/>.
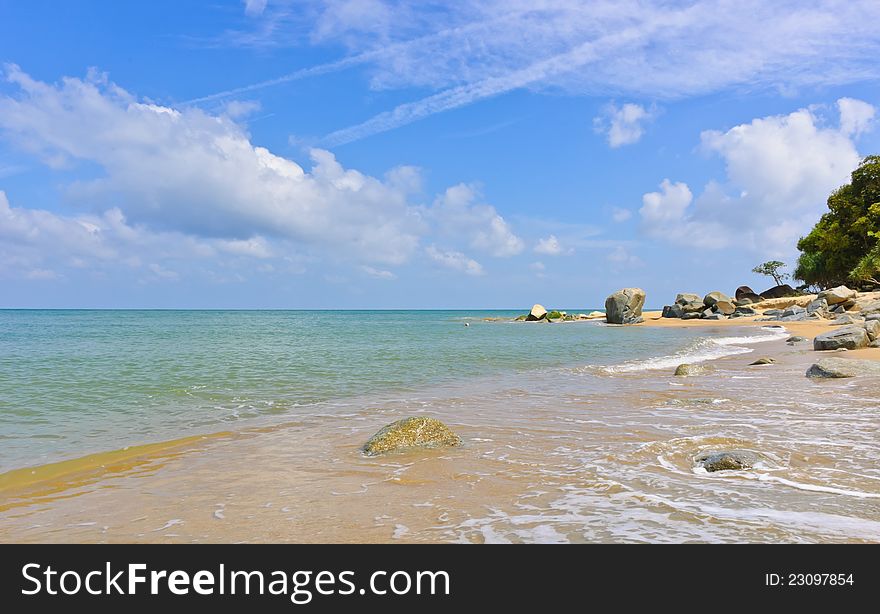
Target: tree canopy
<point x="844" y="246"/>
<point x="771" y="269"/>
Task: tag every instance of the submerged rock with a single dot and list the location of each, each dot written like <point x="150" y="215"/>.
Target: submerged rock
<point x="687" y="369"/>
<point x="843" y="367"/>
<point x="729" y="460"/>
<point x="763" y="361"/>
<point x="625" y="306"/>
<point x="414" y="432"/>
<point x="795" y="339"/>
<point x="848" y="337"/>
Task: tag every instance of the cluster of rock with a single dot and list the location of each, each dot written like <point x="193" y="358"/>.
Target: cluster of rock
<point x="714" y="306"/>
<point x="829" y="304"/>
<point x="625" y="306"/>
<point x="539" y="313"/>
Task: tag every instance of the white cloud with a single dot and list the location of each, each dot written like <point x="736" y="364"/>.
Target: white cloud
<point x="621" y="258"/>
<point x="455" y="260"/>
<point x="470" y="52"/>
<point x="549" y="246"/>
<point x="457" y="213"/>
<point x="856" y="116"/>
<point x="619" y="215"/>
<point x="378" y="273"/>
<point x="254" y="8"/>
<point x="780" y="171"/>
<point x="623" y="125"/>
<point x="237" y="109"/>
<point x="191" y="172"/>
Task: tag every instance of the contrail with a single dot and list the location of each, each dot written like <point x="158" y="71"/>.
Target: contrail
<point x="463" y="95"/>
<point x="360" y="58"/>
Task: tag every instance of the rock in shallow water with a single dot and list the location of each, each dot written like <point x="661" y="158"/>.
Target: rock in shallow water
<point x="730" y="460"/>
<point x="625" y="306"/>
<point x="763" y="361"/>
<point x="414" y="432"/>
<point x="795" y="339"/>
<point x="689" y="369"/>
<point x="849" y="337"/>
<point x="843" y="367"/>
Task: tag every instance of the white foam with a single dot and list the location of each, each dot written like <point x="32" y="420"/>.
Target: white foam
<point x="701" y="351"/>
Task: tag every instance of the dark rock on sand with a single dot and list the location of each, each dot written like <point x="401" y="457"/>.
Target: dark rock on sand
<point x="848" y="337"/>
<point x="844" y="367"/>
<point x="693" y="315"/>
<point x="729" y="460"/>
<point x="414" y="432"/>
<point x="743" y="291"/>
<point x="673" y="311"/>
<point x="795" y="339"/>
<point x="625" y="306"/>
<point x="780" y="291"/>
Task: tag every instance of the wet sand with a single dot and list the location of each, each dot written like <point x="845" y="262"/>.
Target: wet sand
<point x="569" y="455"/>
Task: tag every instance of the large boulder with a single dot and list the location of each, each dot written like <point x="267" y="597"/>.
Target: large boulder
<point x="744" y="291"/>
<point x="780" y="291"/>
<point x="625" y="306"/>
<point x="409" y="433"/>
<point x="840" y="294"/>
<point x="713" y="297"/>
<point x="849" y="337"/>
<point x="537" y="313"/>
<point x="872" y="327"/>
<point x="672" y="311"/>
<point x="843" y="367"/>
<point x="696" y="306"/>
<point x="728" y="460"/>
<point x="683" y="298"/>
<point x="724" y="307"/>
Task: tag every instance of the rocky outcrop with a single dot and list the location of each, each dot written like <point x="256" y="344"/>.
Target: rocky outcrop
<point x="537" y="313"/>
<point x="840" y="294"/>
<point x="844" y="367"/>
<point x="728" y="460"/>
<point x="848" y="337"/>
<point x="625" y="306"/>
<point x="409" y="433"/>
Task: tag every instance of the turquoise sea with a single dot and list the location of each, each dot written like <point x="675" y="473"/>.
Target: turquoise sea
<point x="77" y="382"/>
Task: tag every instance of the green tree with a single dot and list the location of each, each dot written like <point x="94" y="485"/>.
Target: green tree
<point x="771" y="269"/>
<point x="844" y="245"/>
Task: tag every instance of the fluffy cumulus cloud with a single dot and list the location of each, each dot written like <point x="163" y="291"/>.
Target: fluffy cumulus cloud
<point x="549" y="246"/>
<point x="458" y="213"/>
<point x="168" y="172"/>
<point x="622" y="125"/>
<point x="780" y="169"/>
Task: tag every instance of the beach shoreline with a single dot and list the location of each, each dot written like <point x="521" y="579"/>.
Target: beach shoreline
<point x="529" y="442"/>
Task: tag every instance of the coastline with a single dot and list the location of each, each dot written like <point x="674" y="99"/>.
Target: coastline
<point x="536" y="444"/>
<point x="807" y="329"/>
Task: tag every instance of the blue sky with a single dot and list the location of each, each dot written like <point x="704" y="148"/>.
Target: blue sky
<point x="384" y="154"/>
